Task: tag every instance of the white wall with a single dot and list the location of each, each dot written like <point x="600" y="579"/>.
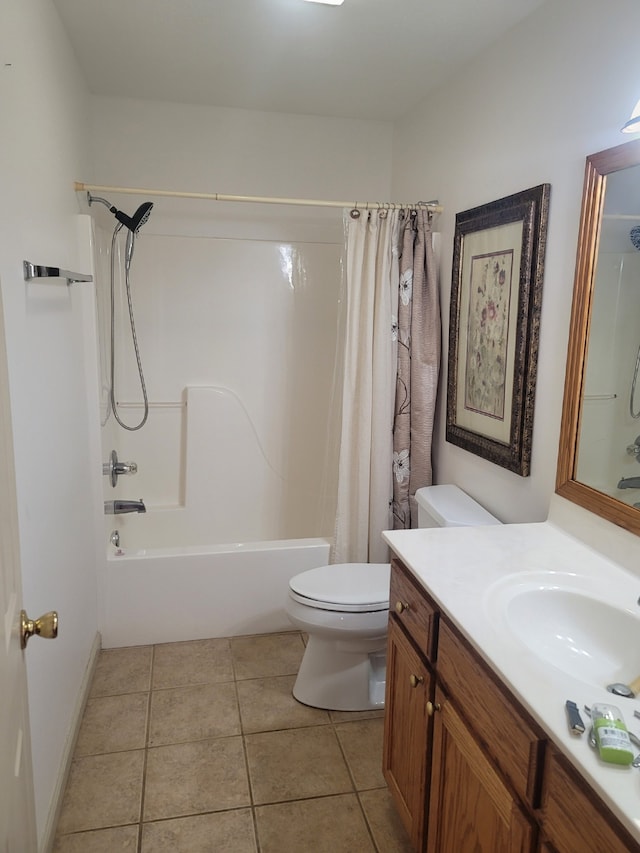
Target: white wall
<point x="43" y="142"/>
<point x="213" y="149"/>
<point x="557" y="88"/>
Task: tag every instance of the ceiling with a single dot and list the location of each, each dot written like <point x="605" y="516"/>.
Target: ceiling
<point x="368" y="59"/>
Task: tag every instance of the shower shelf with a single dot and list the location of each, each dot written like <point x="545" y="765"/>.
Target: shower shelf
<point x="32" y="271"/>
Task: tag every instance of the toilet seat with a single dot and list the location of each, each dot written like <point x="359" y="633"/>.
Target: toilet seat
<point x="344" y="587"/>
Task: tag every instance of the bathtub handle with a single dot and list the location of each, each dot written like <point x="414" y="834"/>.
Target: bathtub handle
<point x="114" y="468"/>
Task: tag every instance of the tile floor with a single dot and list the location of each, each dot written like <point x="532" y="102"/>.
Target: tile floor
<point x="200" y="746"/>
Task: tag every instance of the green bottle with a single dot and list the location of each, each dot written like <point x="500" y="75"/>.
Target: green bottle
<point x="611" y="734"/>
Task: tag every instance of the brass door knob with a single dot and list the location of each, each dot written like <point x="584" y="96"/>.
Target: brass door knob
<point x="401" y="606"/>
<point x="46" y="626"/>
<point x="432" y="707"/>
<point x="415" y="680"/>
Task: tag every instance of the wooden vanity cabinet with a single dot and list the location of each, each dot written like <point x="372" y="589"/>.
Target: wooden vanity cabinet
<point x="471" y="807"/>
<point x="407" y="731"/>
<point x="409" y="699"/>
<point x="506" y="733"/>
<point x="468" y="768"/>
<point x="574" y="818"/>
<point x="414" y="610"/>
<point x="448" y="791"/>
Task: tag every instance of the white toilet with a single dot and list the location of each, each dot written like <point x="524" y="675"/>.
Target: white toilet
<point x="344" y="610"/>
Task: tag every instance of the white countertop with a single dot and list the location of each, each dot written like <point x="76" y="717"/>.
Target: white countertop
<point x="464" y="570"/>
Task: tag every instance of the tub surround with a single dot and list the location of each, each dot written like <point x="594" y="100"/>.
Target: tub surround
<point x="237" y="338"/>
<point x="458" y="569"/>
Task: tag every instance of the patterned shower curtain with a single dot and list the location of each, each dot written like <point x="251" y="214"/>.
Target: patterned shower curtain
<point x="391" y="360"/>
<point x="418" y="364"/>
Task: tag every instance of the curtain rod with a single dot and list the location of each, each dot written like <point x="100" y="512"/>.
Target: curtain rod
<point x="434" y="207"/>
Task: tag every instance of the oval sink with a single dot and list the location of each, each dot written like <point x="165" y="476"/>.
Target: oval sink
<point x="589" y="639"/>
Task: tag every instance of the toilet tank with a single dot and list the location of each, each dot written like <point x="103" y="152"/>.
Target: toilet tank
<point x="449" y="506"/>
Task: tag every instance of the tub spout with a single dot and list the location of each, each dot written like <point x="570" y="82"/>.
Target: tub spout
<point x="629" y="483"/>
<point x="118" y="507"/>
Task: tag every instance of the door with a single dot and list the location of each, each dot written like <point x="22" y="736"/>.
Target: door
<point x="17" y="810"/>
<point x="471" y="807"/>
<point x="406" y="750"/>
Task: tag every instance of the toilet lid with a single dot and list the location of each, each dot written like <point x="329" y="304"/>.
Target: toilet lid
<point x="350" y="587"/>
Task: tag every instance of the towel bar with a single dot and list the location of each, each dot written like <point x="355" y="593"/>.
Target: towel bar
<point x="32" y="271"/>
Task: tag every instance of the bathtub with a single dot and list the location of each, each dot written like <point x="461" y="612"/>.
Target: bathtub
<point x="161" y="595"/>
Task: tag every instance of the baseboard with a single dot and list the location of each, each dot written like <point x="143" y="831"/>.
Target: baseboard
<point x="48" y="836"/>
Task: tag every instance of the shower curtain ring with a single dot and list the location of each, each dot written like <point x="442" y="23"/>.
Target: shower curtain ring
<point x="355" y="213"/>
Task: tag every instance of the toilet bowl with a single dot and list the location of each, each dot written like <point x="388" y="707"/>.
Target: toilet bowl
<point x="344" y="610"/>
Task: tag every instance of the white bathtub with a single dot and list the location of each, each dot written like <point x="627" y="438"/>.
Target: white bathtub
<point x="161" y="595"/>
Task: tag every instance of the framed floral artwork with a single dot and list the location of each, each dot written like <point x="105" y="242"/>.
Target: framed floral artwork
<point x="494" y="327"/>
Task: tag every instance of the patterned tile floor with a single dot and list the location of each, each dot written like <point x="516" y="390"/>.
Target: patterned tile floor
<point x="200" y="746"/>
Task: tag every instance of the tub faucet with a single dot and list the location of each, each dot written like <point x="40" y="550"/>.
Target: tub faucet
<point x="629" y="483"/>
<point x="118" y="507"/>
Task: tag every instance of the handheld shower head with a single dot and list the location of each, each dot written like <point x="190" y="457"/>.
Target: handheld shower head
<point x="634" y="236"/>
<point x="133" y="223"/>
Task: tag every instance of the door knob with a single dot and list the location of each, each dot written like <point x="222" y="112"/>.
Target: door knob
<point x="45" y="626"/>
<point x="415" y="680"/>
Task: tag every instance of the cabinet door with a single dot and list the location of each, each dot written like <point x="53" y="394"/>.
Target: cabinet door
<point x="470" y="808"/>
<point x="573" y="818"/>
<point x="406" y="731"/>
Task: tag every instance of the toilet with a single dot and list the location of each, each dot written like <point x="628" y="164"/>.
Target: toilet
<point x="344" y="608"/>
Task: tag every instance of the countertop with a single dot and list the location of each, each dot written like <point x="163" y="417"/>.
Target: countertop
<point x="466" y="570"/>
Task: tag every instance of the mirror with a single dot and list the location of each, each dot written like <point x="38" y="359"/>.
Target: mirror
<point x="598" y="456"/>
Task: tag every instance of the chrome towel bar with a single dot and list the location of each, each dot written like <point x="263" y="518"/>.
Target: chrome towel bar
<point x="32" y="271"/>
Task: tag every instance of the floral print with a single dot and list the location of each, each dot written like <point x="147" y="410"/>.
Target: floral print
<point x="401" y="465"/>
<point x="406" y="286"/>
<point x="487" y="337"/>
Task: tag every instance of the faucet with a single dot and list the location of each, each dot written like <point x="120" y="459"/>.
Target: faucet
<point x="629" y="483"/>
<point x="118" y="507"/>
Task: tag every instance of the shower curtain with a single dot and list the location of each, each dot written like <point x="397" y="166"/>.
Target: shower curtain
<point x="390" y="377"/>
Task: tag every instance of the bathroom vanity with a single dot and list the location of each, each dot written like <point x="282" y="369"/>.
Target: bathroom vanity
<point x="477" y="749"/>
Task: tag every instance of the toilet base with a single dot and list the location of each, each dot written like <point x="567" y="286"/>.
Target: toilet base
<point x="342" y="676"/>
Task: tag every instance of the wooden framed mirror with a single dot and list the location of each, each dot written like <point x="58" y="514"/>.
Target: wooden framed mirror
<point x="599" y="425"/>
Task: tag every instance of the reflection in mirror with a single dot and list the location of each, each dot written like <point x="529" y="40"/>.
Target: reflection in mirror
<point x="610" y="417"/>
<point x="599" y="458"/>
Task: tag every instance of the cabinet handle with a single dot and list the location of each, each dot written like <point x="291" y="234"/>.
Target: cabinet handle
<point x="415" y="680"/>
<point x="401" y="606"/>
<point x="432" y="707"/>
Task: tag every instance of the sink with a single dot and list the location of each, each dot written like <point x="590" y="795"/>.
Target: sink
<point x="570" y="628"/>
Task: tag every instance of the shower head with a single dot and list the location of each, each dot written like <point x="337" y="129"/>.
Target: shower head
<point x="133" y="223"/>
<point x="634" y="236"/>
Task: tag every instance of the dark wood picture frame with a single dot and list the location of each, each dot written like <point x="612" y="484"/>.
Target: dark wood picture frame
<point x="494" y="327"/>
